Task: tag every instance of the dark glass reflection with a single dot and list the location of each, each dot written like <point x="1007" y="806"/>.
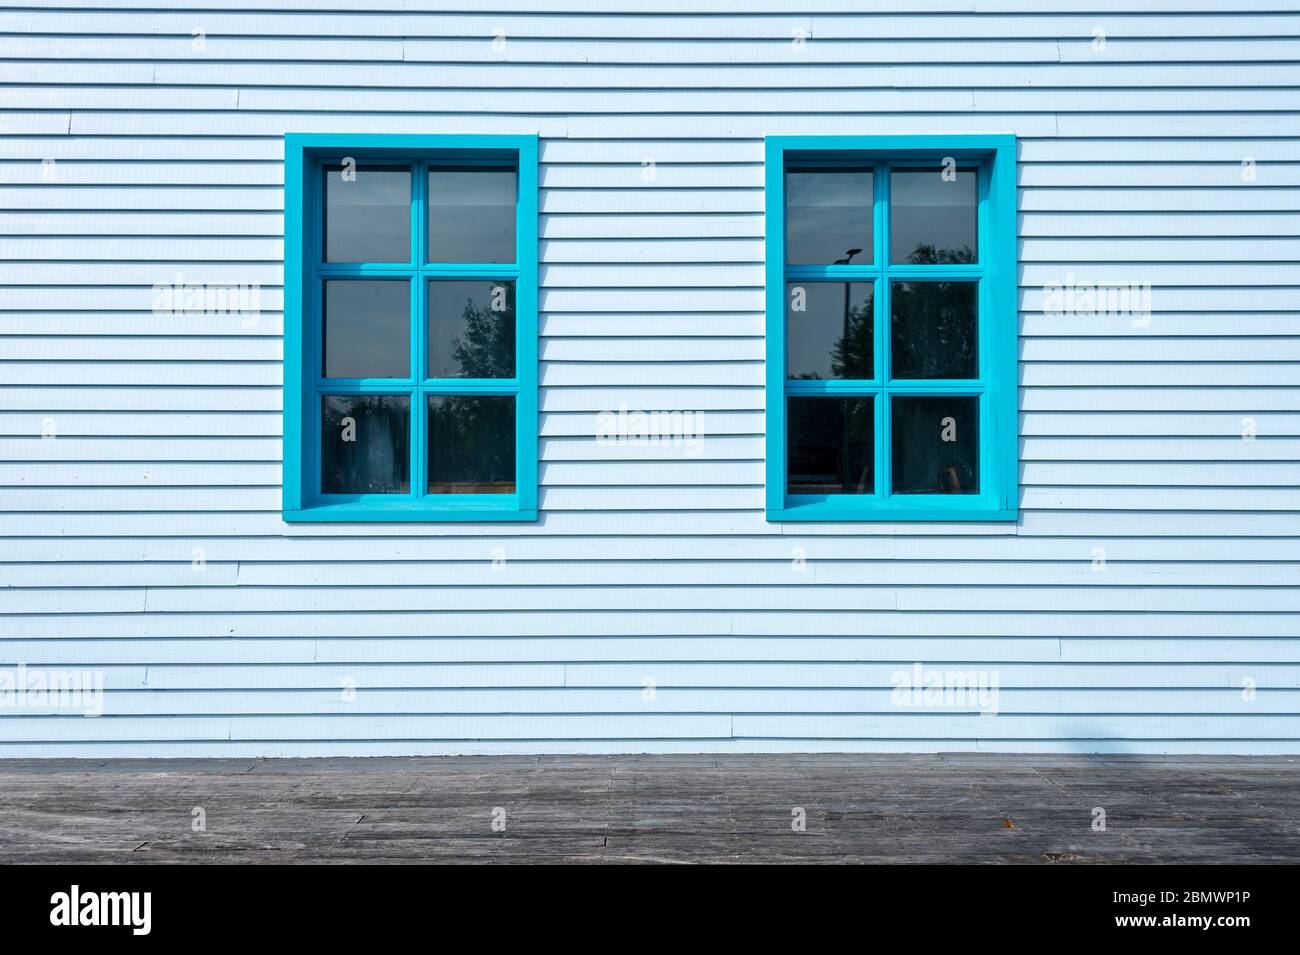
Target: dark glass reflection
<point x="830" y="445"/>
<point x="471" y="329"/>
<point x="365" y="444"/>
<point x="828" y="216"/>
<point x="471" y="444"/>
<point x="935" y="445"/>
<point x="934" y="330"/>
<point x="932" y="219"/>
<point x="471" y="214"/>
<point x="367" y="214"/>
<point x="829" y="329"/>
<point x="367" y="329"/>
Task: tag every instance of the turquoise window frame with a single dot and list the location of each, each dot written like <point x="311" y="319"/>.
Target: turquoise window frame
<point x="995" y="158"/>
<point x="305" y="271"/>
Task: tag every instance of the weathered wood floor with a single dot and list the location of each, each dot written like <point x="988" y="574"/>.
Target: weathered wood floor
<point x="654" y="809"/>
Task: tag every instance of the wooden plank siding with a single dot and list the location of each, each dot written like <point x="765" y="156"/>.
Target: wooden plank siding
<point x="1154" y="571"/>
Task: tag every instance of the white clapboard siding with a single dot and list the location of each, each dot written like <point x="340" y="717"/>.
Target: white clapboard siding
<point x="1151" y="578"/>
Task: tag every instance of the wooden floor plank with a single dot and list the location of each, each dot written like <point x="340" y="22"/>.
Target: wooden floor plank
<point x="963" y="808"/>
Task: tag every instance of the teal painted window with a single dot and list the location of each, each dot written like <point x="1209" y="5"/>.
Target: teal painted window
<point x="410" y="328"/>
<point x="891" y="328"/>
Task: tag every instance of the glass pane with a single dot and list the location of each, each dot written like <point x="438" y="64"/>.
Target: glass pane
<point x="471" y="215"/>
<point x="828" y="329"/>
<point x="830" y="445"/>
<point x="934" y="329"/>
<point x="936" y="445"/>
<point x="471" y="329"/>
<point x="932" y="218"/>
<point x="367" y="214"/>
<point x="365" y="444"/>
<point x="471" y="444"/>
<point x="367" y="329"/>
<point x="828" y="216"/>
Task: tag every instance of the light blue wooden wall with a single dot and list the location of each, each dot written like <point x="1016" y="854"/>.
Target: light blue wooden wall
<point x="650" y="565"/>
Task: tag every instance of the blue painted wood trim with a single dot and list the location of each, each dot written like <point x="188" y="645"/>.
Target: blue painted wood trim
<point x="996" y="270"/>
<point x="301" y="501"/>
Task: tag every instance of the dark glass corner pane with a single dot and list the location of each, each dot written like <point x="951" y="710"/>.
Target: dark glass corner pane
<point x="367" y="214"/>
<point x="829" y="330"/>
<point x="367" y="329"/>
<point x="471" y="444"/>
<point x="829" y="216"/>
<point x="471" y="214"/>
<point x="830" y="445"/>
<point x="934" y="329"/>
<point x="935" y="444"/>
<point x="471" y="329"/>
<point x="933" y="216"/>
<point x="365" y="444"/>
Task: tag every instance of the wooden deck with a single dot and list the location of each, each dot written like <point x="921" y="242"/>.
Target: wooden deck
<point x="981" y="809"/>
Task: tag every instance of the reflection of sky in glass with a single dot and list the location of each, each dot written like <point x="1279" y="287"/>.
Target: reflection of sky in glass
<point x="812" y="335"/>
<point x="926" y="209"/>
<point x="367" y="329"/>
<point x="826" y="214"/>
<point x="368" y="219"/>
<point x="471" y="215"/>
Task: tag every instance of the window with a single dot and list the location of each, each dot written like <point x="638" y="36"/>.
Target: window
<point x="410" y="328"/>
<point x="891" y="328"/>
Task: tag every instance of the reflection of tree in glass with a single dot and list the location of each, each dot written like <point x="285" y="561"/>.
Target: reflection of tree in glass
<point x="927" y="253"/>
<point x="934" y="322"/>
<point x="487" y="348"/>
<point x="851" y="356"/>
<point x="852" y="353"/>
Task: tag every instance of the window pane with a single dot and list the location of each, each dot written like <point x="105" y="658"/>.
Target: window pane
<point x="828" y="216"/>
<point x="471" y="329"/>
<point x="934" y="329"/>
<point x="828" y="329"/>
<point x="471" y="215"/>
<point x="367" y="214"/>
<point x="471" y="444"/>
<point x="933" y="219"/>
<point x="830" y="445"/>
<point x="365" y="444"/>
<point x="367" y="329"/>
<point x="936" y="445"/>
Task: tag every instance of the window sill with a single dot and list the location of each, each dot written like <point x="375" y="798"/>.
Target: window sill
<point x="850" y="508"/>
<point x="411" y="512"/>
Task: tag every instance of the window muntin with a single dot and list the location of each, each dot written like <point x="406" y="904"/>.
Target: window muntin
<point x="413" y="342"/>
<point x="898" y="321"/>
